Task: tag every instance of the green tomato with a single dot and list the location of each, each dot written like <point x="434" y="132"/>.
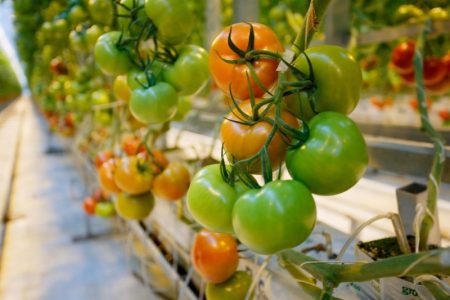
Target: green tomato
<point x="82" y="103"/>
<point x="183" y="108"/>
<point x="190" y="72"/>
<point x="77" y="15"/>
<point x="105" y="209"/>
<point x="279" y="216"/>
<point x="92" y="35"/>
<point x="100" y="97"/>
<point x="235" y="288"/>
<point x="109" y="57"/>
<point x="172" y="18"/>
<point x="338" y="81"/>
<point x="210" y="199"/>
<point x="333" y="158"/>
<point x="78" y="41"/>
<point x="101" y="11"/>
<point x="136" y="17"/>
<point x="157" y="104"/>
<point x="102" y="117"/>
<point x="136" y="78"/>
<point x="136" y="207"/>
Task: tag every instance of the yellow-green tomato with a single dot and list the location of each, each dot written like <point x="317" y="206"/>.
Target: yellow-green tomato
<point x="235" y="288"/>
<point x="136" y="207"/>
<point x="279" y="216"/>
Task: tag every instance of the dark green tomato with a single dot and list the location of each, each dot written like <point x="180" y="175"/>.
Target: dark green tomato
<point x="105" y="209"/>
<point x="77" y="15"/>
<point x="157" y="104"/>
<point x="172" y="18"/>
<point x="109" y="57"/>
<point x="135" y="16"/>
<point x="333" y="158"/>
<point x="190" y="71"/>
<point x="210" y="199"/>
<point x="235" y="288"/>
<point x="338" y="80"/>
<point x="136" y="207"/>
<point x="101" y="11"/>
<point x="279" y="216"/>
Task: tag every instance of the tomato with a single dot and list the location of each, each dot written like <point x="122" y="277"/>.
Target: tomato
<point x="234" y="76"/>
<point x="77" y="15"/>
<point x="58" y="67"/>
<point x="135" y="207"/>
<point x="89" y="205"/>
<point x="120" y="88"/>
<point x="173" y="182"/>
<point x="191" y="60"/>
<point x="243" y="141"/>
<point x="381" y="103"/>
<point x="106" y="176"/>
<point x="408" y="78"/>
<point x="101" y="11"/>
<point x="434" y="71"/>
<point x="109" y="57"/>
<point x="102" y="117"/>
<point x="444" y="115"/>
<point x="333" y="158"/>
<point x="236" y="287"/>
<point x="156" y="104"/>
<point x="183" y="108"/>
<point x="210" y="200"/>
<point x="279" y="216"/>
<point x="134" y="175"/>
<point x="402" y="57"/>
<point x="105" y="209"/>
<point x="338" y="80"/>
<point x="172" y="18"/>
<point x="102" y="157"/>
<point x="92" y="35"/>
<point x="136" y="78"/>
<point x="100" y="97"/>
<point x="214" y="256"/>
<point x="132" y="145"/>
<point x="78" y="41"/>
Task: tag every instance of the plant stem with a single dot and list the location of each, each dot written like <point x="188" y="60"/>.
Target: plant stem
<point x="434" y="179"/>
<point x="310" y="24"/>
<point x="431" y="262"/>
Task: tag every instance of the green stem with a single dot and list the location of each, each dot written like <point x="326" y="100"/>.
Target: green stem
<point x="332" y="274"/>
<point x="435" y="175"/>
<point x="311" y="23"/>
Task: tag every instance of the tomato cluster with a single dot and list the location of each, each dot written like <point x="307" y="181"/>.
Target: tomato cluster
<point x="295" y="117"/>
<point x="436" y="70"/>
<point x="99" y="204"/>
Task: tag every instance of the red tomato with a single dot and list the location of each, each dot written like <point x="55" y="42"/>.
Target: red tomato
<point x="444" y="115"/>
<point x="132" y="144"/>
<point x="173" y="182"/>
<point x="89" y="205"/>
<point x="402" y="57"/>
<point x="214" y="256"/>
<point x="434" y="71"/>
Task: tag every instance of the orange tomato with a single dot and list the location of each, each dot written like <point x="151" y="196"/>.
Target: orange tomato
<point x="132" y="144"/>
<point x="106" y="176"/>
<point x="173" y="182"/>
<point x="214" y="256"/>
<point x="134" y="174"/>
<point x="243" y="141"/>
<point x="228" y="75"/>
<point x="102" y="156"/>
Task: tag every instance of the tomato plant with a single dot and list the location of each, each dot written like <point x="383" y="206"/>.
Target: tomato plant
<point x="191" y="60"/>
<point x="214" y="255"/>
<point x="232" y="77"/>
<point x="210" y="199"/>
<point x="156" y="104"/>
<point x="133" y="174"/>
<point x="242" y="141"/>
<point x="337" y="81"/>
<point x="134" y="207"/>
<point x="279" y="216"/>
<point x="334" y="157"/>
<point x="173" y="182"/>
<point x="236" y="287"/>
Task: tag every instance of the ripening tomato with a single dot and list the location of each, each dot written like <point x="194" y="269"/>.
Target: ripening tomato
<point x="402" y="57"/>
<point x="133" y="174"/>
<point x="120" y="88"/>
<point x="132" y="145"/>
<point x="89" y="205"/>
<point x="134" y="207"/>
<point x="106" y="176"/>
<point x="434" y="71"/>
<point x="214" y="255"/>
<point x="243" y="141"/>
<point x="173" y="182"/>
<point x="234" y="76"/>
<point x="333" y="158"/>
<point x="102" y="157"/>
<point x="235" y="287"/>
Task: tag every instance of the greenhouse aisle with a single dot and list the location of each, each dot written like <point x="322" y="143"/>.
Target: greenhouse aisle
<point x="39" y="258"/>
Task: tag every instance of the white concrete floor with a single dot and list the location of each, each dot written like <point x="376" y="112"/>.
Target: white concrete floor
<point x="39" y="259"/>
